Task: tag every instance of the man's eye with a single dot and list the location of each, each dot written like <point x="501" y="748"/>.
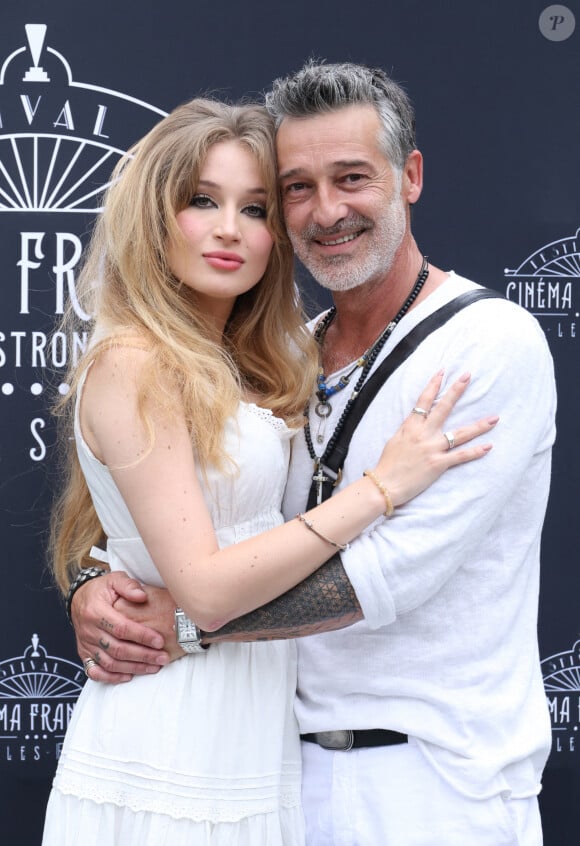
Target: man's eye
<point x="294" y="187"/>
<point x="201" y="201"/>
<point x="256" y="210"/>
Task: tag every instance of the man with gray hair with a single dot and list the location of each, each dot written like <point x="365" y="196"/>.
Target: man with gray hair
<point x="420" y="698"/>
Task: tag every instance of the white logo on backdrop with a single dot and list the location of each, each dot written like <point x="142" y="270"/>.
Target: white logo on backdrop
<point x="37" y="696"/>
<point x="546" y="284"/>
<point x="59" y="142"/>
<point x="561" y="673"/>
<point x="62" y="162"/>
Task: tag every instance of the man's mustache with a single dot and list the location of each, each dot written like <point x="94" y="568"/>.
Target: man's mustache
<point x="353" y="223"/>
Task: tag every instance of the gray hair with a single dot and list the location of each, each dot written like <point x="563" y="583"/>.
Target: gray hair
<point x="320" y="88"/>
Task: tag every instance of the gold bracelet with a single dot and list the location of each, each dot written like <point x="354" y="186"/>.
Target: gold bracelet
<point x="309" y="525"/>
<point x="383" y="490"/>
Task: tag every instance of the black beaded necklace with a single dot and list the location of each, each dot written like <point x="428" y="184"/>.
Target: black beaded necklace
<point x="366" y="361"/>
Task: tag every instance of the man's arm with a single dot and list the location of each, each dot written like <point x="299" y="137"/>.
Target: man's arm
<point x="323" y="602"/>
<point x="118" y="622"/>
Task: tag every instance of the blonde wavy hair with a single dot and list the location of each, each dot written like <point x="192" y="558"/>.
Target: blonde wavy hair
<point x="127" y="284"/>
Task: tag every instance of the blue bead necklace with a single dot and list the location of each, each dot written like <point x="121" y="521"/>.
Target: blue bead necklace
<point x="324" y="391"/>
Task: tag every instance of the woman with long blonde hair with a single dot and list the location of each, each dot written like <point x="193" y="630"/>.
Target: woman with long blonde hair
<point x="180" y="417"/>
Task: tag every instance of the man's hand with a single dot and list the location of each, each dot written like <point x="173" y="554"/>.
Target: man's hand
<point x="126" y="628"/>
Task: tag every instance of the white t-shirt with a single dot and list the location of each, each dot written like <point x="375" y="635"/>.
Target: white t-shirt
<point x="448" y="650"/>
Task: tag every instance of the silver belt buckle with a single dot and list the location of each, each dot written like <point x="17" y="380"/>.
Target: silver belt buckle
<point x="340" y="741"/>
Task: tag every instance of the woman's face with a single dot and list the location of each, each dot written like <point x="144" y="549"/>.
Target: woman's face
<point x="225" y="243"/>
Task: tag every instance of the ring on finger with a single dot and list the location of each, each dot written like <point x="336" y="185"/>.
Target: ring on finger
<point x="422" y="411"/>
<point x="87" y="664"/>
<point x="450" y="439"/>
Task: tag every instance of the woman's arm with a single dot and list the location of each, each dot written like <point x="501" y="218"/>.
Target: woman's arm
<point x="160" y="487"/>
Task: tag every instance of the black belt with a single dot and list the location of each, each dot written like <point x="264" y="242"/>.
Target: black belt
<point x="358" y="739"/>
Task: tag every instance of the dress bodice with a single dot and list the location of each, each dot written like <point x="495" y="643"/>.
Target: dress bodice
<point x="243" y="500"/>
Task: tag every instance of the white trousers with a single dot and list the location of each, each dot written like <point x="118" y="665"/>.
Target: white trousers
<point x="389" y="796"/>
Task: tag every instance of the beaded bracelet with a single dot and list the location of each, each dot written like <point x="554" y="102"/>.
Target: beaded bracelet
<point x="383" y="490"/>
<point x="84" y="575"/>
<point x="309" y="525"/>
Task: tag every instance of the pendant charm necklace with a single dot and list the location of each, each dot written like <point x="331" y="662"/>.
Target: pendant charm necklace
<point x="324" y="391"/>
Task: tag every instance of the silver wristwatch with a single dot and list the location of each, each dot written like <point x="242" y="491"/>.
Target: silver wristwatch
<point x="187" y="633"/>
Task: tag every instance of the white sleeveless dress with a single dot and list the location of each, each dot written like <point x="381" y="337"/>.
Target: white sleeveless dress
<point x="206" y="752"/>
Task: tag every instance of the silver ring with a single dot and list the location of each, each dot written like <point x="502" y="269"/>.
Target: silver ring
<point x="420" y="411"/>
<point x="87" y="664"/>
<point x="450" y="439"/>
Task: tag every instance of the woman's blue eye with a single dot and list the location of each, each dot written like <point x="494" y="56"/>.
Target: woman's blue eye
<point x="201" y="201"/>
<point x="256" y="211"/>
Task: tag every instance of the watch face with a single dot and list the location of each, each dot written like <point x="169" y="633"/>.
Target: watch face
<point x="185" y="630"/>
<point x="188" y="635"/>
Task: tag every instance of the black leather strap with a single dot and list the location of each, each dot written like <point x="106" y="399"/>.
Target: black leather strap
<point x="406" y="346"/>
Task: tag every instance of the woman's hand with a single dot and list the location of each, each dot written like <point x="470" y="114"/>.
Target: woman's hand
<point x="422" y="450"/>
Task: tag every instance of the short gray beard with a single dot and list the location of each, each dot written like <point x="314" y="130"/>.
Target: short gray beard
<point x="343" y="273"/>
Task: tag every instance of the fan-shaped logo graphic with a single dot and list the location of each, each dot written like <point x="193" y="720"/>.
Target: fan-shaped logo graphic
<point x="59" y="142"/>
<point x="60" y="139"/>
<point x="561" y="673"/>
<point x="37" y="695"/>
<point x="547" y="284"/>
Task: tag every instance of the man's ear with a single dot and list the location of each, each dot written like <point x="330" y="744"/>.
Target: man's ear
<point x="412" y="177"/>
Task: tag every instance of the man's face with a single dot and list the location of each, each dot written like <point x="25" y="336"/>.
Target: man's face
<point x="342" y="198"/>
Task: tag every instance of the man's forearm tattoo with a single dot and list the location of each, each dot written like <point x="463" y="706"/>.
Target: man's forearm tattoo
<point x="323" y="602"/>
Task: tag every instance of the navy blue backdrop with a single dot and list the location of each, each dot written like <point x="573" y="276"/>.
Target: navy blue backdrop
<point x="496" y="88"/>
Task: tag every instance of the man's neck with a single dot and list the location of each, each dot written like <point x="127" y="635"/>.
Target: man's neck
<point x="363" y="312"/>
